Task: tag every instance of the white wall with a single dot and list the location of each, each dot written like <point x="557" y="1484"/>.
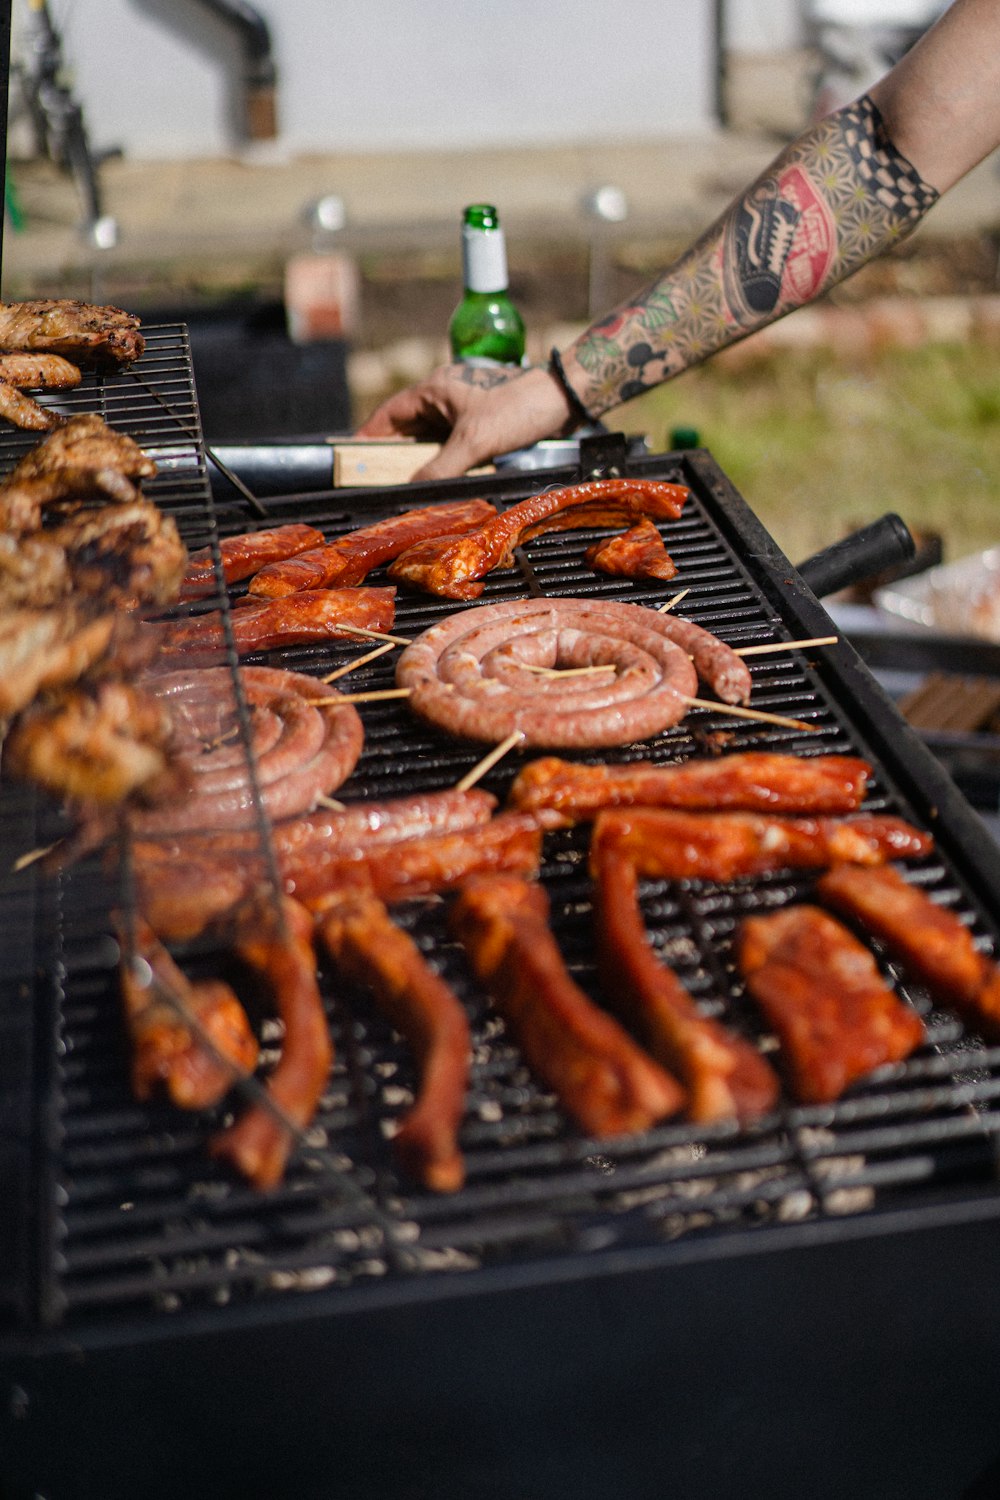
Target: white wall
<point x="160" y="77"/>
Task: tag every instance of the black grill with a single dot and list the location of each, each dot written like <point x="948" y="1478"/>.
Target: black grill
<point x="119" y="1226"/>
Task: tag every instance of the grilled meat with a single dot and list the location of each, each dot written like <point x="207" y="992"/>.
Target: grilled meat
<point x="84" y="332"/>
<point x="39" y="372"/>
<point x="34" y="572"/>
<point x="601" y="1076"/>
<point x="455" y="566"/>
<point x="43" y="648"/>
<point x="350" y="558"/>
<point x="86" y="442"/>
<point x="821" y="990"/>
<point x="244" y="555"/>
<point x="192" y="1040"/>
<point x="562" y="792"/>
<point x="368" y="947"/>
<point x="101" y="746"/>
<point x="669" y="845"/>
<point x="725" y="1076"/>
<point x="276" y="942"/>
<point x="129" y="555"/>
<point x="930" y="940"/>
<point x="22" y="501"/>
<point x="24" y="412"/>
<point x="270" y="624"/>
<point x="638" y="552"/>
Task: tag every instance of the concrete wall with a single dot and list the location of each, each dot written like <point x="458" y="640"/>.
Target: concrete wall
<point x="160" y="78"/>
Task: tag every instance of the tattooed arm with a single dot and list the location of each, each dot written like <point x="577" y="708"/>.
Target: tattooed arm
<point x="850" y="187"/>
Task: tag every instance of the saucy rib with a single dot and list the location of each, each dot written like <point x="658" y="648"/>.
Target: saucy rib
<point x="639" y="552"/>
<point x="821" y="991"/>
<point x="279" y="947"/>
<point x="669" y="845"/>
<point x="261" y="626"/>
<point x="562" y="792"/>
<point x="929" y="939"/>
<point x="601" y="1076"/>
<point x="455" y="566"/>
<point x="242" y="556"/>
<point x="349" y="559"/>
<point x="368" y="948"/>
<point x="724" y="1075"/>
<point x="169" y="1019"/>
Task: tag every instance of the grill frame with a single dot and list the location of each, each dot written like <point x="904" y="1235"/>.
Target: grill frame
<point x="117" y="1333"/>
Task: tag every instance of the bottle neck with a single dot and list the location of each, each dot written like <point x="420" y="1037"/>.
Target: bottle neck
<point x="484" y="260"/>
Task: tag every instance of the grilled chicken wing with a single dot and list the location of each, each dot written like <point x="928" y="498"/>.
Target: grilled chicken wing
<point x="85" y="332"/>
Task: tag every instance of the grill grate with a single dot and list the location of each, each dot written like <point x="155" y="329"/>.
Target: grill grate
<point x="126" y="1209"/>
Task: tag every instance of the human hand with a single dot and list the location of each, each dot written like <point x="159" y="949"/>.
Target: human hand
<point x="476" y="411"/>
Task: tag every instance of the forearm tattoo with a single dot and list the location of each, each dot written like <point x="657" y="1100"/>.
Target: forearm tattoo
<point x="838" y="196"/>
<point x="485" y="376"/>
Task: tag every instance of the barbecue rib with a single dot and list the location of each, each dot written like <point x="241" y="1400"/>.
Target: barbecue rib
<point x="669" y="845"/>
<point x="276" y="941"/>
<point x="455" y="566"/>
<point x="84" y="332"/>
<point x="183" y="896"/>
<point x="821" y="990"/>
<point x="602" y="1078"/>
<point x="349" y="559"/>
<point x="639" y="552"/>
<point x="193" y="1040"/>
<point x="267" y="625"/>
<point x="242" y="556"/>
<point x="724" y="1075"/>
<point x="563" y="792"/>
<point x="929" y="940"/>
<point x="368" y="948"/>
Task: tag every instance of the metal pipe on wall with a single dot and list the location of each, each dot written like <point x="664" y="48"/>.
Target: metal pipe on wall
<point x="260" y="75"/>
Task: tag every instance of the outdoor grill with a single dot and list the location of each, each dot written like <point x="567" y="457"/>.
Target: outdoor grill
<point x="806" y="1306"/>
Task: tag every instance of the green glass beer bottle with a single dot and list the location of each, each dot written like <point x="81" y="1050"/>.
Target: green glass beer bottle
<point x="486" y="327"/>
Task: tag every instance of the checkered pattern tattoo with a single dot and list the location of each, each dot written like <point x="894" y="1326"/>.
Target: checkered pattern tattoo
<point x="896" y="184"/>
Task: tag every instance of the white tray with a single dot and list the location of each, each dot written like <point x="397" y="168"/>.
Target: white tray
<point x="959" y="598"/>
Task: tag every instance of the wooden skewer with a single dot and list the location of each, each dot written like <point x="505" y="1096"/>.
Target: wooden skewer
<point x="331" y="803"/>
<point x="360" y="661"/>
<point x="32" y="857"/>
<point x="672" y="602"/>
<point x="488" y="761"/>
<point x="373" y="697"/>
<point x="819" y="640"/>
<point x="571" y="671"/>
<point x="748" y="713"/>
<point x="220" y="739"/>
<point x="375" y="635"/>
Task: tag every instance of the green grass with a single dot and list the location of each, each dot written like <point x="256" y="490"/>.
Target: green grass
<point x="818" y="445"/>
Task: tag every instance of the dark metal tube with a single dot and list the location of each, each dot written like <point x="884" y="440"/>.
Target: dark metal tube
<point x="255" y="36"/>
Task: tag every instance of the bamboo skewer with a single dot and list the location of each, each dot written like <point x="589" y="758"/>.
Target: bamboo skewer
<point x="375" y="635"/>
<point x="672" y="602"/>
<point x="373" y="697"/>
<point x="360" y="661"/>
<point x="33" y="856"/>
<point x="819" y="640"/>
<point x="489" y="761"/>
<point x="571" y="671"/>
<point x="748" y="713"/>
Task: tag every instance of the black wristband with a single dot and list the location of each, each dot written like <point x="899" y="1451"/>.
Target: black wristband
<point x="576" y="406"/>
